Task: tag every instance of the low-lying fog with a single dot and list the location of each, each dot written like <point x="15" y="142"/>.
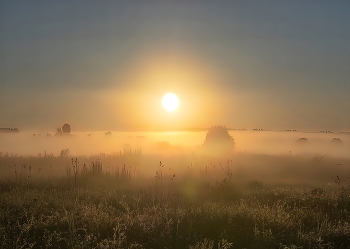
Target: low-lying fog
<point x="87" y="143"/>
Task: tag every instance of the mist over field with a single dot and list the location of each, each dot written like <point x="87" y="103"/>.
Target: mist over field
<point x="268" y="156"/>
<point x="177" y="142"/>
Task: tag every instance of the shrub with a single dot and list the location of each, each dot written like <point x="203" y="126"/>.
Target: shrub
<point x="66" y="128"/>
<point x="302" y="140"/>
<point x="337" y="141"/>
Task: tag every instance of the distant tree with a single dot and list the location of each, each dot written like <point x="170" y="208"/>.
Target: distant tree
<point x="218" y="140"/>
<point x="337" y="141"/>
<point x="302" y="140"/>
<point x="66" y="128"/>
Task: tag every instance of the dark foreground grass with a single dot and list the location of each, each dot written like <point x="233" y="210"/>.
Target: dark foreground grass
<point x="197" y="208"/>
<point x="182" y="215"/>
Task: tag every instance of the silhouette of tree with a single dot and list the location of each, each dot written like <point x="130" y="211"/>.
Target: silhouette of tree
<point x="219" y="140"/>
<point x="302" y="140"/>
<point x="66" y="128"/>
<point x="337" y="141"/>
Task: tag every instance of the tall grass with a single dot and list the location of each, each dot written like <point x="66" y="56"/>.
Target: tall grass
<point x="130" y="200"/>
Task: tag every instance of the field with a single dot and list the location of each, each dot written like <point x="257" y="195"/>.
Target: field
<point x="175" y="198"/>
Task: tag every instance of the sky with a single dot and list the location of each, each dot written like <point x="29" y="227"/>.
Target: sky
<point x="105" y="65"/>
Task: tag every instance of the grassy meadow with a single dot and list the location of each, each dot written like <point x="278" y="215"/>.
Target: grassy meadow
<point x="175" y="197"/>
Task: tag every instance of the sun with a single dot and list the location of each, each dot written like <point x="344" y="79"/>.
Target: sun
<point x="170" y="102"/>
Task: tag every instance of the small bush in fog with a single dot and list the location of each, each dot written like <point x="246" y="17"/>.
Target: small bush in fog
<point x="336" y="140"/>
<point x="66" y="129"/>
<point x="302" y="140"/>
<point x="58" y="132"/>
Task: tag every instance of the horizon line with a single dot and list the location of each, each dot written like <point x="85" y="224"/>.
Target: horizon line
<point x="194" y="130"/>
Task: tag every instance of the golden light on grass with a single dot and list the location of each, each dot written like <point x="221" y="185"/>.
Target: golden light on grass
<point x="170" y="102"/>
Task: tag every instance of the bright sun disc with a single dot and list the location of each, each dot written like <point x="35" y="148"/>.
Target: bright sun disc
<point x="170" y="102"/>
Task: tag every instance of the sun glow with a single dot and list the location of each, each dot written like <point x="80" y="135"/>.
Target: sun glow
<point x="170" y="102"/>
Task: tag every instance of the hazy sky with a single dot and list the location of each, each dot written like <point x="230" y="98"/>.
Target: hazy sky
<point x="105" y="65"/>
